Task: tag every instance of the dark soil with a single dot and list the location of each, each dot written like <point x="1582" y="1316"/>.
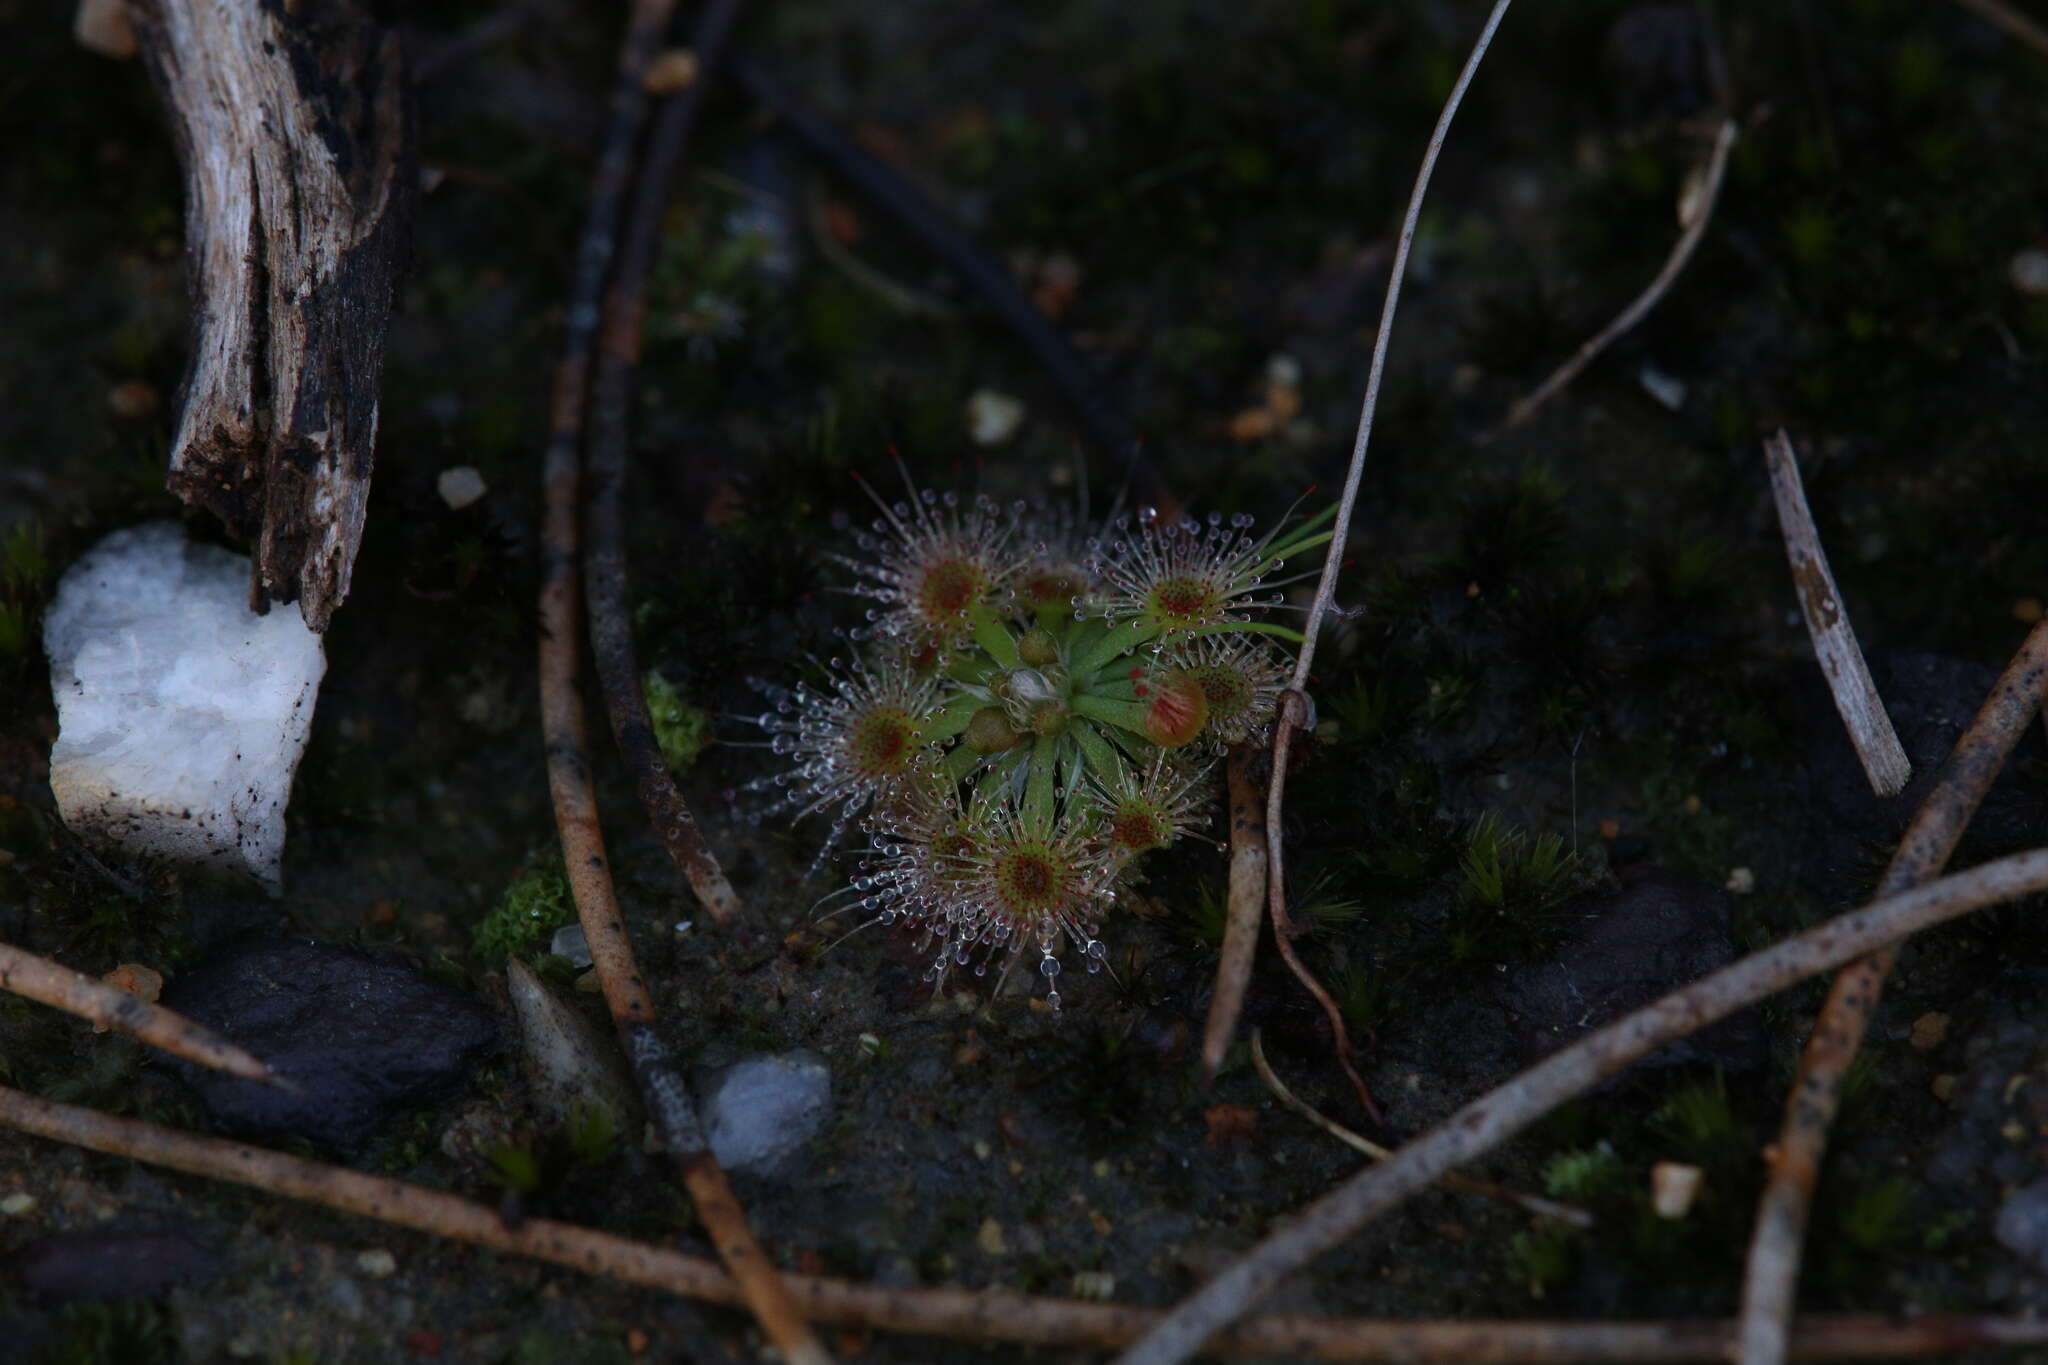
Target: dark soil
<point x="1585" y="631"/>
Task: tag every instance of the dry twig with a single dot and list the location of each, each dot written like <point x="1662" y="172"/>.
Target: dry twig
<point x="1294" y="704"/>
<point x="1507" y="1109"/>
<point x="1543" y="1208"/>
<point x="1247" y="889"/>
<point x="1780" y="1232"/>
<point x="58" y="986"/>
<point x="2011" y="20"/>
<point x="1834" y="639"/>
<point x="978" y="1315"/>
<point x="568" y="748"/>
<point x="1702" y="209"/>
<point x="604" y="562"/>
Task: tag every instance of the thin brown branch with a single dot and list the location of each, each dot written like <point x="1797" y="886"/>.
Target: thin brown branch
<point x="1827" y="621"/>
<point x="109" y="1007"/>
<point x="1509" y="1108"/>
<point x="568" y="747"/>
<point x="2011" y="20"/>
<point x="1283" y="936"/>
<point x="604" y="518"/>
<point x="1770" y="1282"/>
<point x="987" y="1315"/>
<point x="1702" y="210"/>
<point x="1543" y="1208"/>
<point x="1247" y="889"/>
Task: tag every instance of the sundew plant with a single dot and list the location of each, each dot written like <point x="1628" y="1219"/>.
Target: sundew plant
<point x="1029" y="710"/>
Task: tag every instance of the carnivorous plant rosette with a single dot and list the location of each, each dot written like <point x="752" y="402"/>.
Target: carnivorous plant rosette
<point x="1029" y="711"/>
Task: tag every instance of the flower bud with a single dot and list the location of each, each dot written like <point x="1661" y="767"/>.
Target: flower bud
<point x="989" y="731"/>
<point x="1176" y="711"/>
<point x="1038" y="648"/>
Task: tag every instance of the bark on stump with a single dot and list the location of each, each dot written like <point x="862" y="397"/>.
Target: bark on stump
<point x="293" y="126"/>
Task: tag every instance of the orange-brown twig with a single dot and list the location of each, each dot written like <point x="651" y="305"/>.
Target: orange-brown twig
<point x="985" y="1315"/>
<point x="568" y="747"/>
<point x="1293" y="717"/>
<point x="55" y="985"/>
<point x="1772" y="1277"/>
<point x="1246" y="903"/>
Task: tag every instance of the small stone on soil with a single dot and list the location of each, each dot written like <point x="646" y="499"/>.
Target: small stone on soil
<point x="68" y="1267"/>
<point x="362" y="1040"/>
<point x="570" y="943"/>
<point x="759" y="1111"/>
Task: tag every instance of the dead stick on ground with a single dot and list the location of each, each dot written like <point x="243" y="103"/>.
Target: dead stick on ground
<point x="1771" y="1279"/>
<point x="1509" y="1108"/>
<point x="568" y="746"/>
<point x="58" y="986"/>
<point x="1542" y="1208"/>
<point x="1834" y="640"/>
<point x="604" y="564"/>
<point x="1247" y="890"/>
<point x="1701" y="208"/>
<point x="976" y="1315"/>
<point x="2011" y="20"/>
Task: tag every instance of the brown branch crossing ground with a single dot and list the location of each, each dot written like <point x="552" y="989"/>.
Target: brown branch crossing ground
<point x="985" y="1315"/>
<point x="294" y="128"/>
<point x="1509" y="1108"/>
<point x="568" y="746"/>
<point x="1772" y="1276"/>
<point x="58" y="986"/>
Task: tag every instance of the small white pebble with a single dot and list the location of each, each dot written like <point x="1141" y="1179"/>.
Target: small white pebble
<point x="1741" y="880"/>
<point x="377" y="1263"/>
<point x="2028" y="271"/>
<point x="460" y="485"/>
<point x="1673" y="1187"/>
<point x="570" y="943"/>
<point x="993" y="418"/>
<point x="17" y="1205"/>
<point x="1666" y="389"/>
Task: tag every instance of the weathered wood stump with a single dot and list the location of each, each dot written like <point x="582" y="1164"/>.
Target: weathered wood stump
<point x="293" y="125"/>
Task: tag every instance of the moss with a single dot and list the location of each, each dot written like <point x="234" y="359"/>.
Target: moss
<point x="533" y="907"/>
<point x="122" y="1332"/>
<point x="681" y="729"/>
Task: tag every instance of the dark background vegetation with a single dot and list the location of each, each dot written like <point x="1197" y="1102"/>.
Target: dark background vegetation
<point x="1583" y="631"/>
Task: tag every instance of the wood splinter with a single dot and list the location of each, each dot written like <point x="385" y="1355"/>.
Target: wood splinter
<point x="1834" y="640"/>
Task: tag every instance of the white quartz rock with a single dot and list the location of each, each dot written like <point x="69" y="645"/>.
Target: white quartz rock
<point x="181" y="714"/>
